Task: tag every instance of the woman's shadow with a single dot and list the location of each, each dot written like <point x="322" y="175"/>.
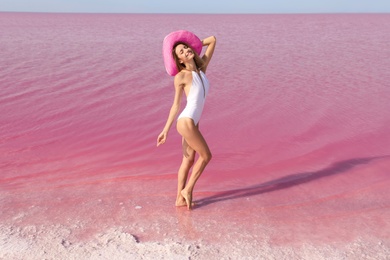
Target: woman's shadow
<point x="286" y="181"/>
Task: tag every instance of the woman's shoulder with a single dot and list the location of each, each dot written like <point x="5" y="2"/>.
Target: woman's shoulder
<point x="183" y="78"/>
<point x="183" y="75"/>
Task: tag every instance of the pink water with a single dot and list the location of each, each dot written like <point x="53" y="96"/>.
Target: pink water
<point x="297" y="119"/>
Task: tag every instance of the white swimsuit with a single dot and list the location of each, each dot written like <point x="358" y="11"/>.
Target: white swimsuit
<point x="196" y="97"/>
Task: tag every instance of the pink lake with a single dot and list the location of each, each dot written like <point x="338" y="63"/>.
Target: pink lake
<point x="297" y="119"/>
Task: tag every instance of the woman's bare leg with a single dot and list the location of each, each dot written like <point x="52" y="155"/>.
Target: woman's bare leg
<point x="186" y="164"/>
<point x="193" y="137"/>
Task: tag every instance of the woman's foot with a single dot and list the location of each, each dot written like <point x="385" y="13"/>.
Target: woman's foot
<point x="180" y="202"/>
<point x="188" y="198"/>
<point x="183" y="204"/>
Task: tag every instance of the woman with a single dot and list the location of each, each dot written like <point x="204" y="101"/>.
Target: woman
<point x="191" y="78"/>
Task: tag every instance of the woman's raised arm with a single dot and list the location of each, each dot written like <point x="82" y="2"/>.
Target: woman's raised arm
<point x="210" y="43"/>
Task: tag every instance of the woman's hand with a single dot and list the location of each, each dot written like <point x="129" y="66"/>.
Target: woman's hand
<point x="209" y="40"/>
<point x="161" y="138"/>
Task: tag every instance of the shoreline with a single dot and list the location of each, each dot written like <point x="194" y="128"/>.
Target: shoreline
<point x="337" y="216"/>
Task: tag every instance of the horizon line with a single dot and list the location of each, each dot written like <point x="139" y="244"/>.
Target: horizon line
<point x="163" y="13"/>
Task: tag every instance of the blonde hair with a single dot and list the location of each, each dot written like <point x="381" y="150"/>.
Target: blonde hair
<point x="198" y="60"/>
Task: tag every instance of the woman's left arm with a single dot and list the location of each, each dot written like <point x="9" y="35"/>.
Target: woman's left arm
<point x="210" y="43"/>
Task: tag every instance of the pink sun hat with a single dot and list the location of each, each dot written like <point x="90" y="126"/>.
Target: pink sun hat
<point x="170" y="40"/>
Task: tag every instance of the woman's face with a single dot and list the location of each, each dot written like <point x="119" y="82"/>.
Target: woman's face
<point x="184" y="53"/>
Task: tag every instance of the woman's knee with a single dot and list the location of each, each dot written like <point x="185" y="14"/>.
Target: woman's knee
<point x="207" y="157"/>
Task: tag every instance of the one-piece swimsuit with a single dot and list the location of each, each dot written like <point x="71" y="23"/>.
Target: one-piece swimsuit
<point x="196" y="97"/>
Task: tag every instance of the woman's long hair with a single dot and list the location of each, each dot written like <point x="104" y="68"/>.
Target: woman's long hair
<point x="198" y="60"/>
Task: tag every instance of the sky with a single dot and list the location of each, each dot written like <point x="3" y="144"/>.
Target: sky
<point x="198" y="6"/>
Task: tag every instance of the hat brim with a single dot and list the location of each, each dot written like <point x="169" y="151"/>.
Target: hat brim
<point x="170" y="40"/>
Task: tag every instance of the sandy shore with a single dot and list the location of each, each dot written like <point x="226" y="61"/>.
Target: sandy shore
<point x="57" y="242"/>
